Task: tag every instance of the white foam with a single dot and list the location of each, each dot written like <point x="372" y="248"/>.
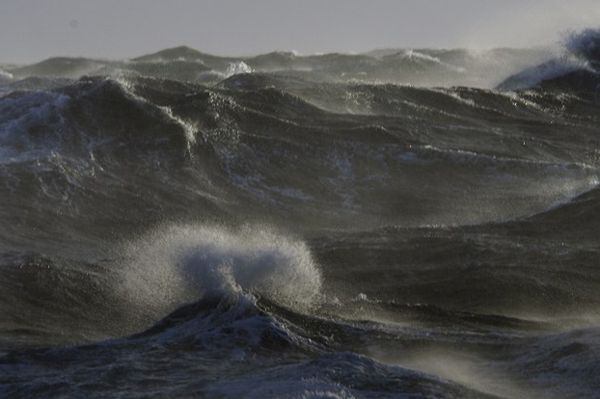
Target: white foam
<point x="416" y="55"/>
<point x="179" y="264"/>
<point x="189" y="129"/>
<point x="235" y="68"/>
<point x="5" y="75"/>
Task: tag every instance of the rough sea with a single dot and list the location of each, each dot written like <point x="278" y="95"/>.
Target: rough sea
<point x="395" y="224"/>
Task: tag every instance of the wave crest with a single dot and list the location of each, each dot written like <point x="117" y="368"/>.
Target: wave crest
<point x="180" y="264"/>
<point x="585" y="44"/>
<point x="579" y="59"/>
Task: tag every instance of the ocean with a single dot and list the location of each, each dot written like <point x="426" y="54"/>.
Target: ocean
<point x="394" y="224"/>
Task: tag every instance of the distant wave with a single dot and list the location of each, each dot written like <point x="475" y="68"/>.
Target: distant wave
<point x="421" y="67"/>
<point x="578" y="68"/>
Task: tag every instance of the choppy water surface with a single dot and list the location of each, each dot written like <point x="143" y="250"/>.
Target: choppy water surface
<point x="419" y="224"/>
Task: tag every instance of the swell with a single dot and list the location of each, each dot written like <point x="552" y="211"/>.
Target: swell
<point x="253" y="350"/>
<point x="238" y="150"/>
<point x="254" y="343"/>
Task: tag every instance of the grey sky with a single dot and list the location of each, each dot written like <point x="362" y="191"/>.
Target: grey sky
<point x="32" y="30"/>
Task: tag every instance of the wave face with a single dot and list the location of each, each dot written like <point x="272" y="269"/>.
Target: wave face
<point x="400" y="223"/>
<point x="577" y="69"/>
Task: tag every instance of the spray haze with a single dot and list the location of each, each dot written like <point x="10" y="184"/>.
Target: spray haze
<point x="114" y="29"/>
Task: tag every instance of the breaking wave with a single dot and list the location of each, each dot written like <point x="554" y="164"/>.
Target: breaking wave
<point x="181" y="264"/>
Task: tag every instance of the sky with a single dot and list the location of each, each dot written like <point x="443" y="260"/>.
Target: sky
<point x="32" y="30"/>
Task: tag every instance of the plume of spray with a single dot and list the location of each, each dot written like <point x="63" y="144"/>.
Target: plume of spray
<point x="178" y="264"/>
